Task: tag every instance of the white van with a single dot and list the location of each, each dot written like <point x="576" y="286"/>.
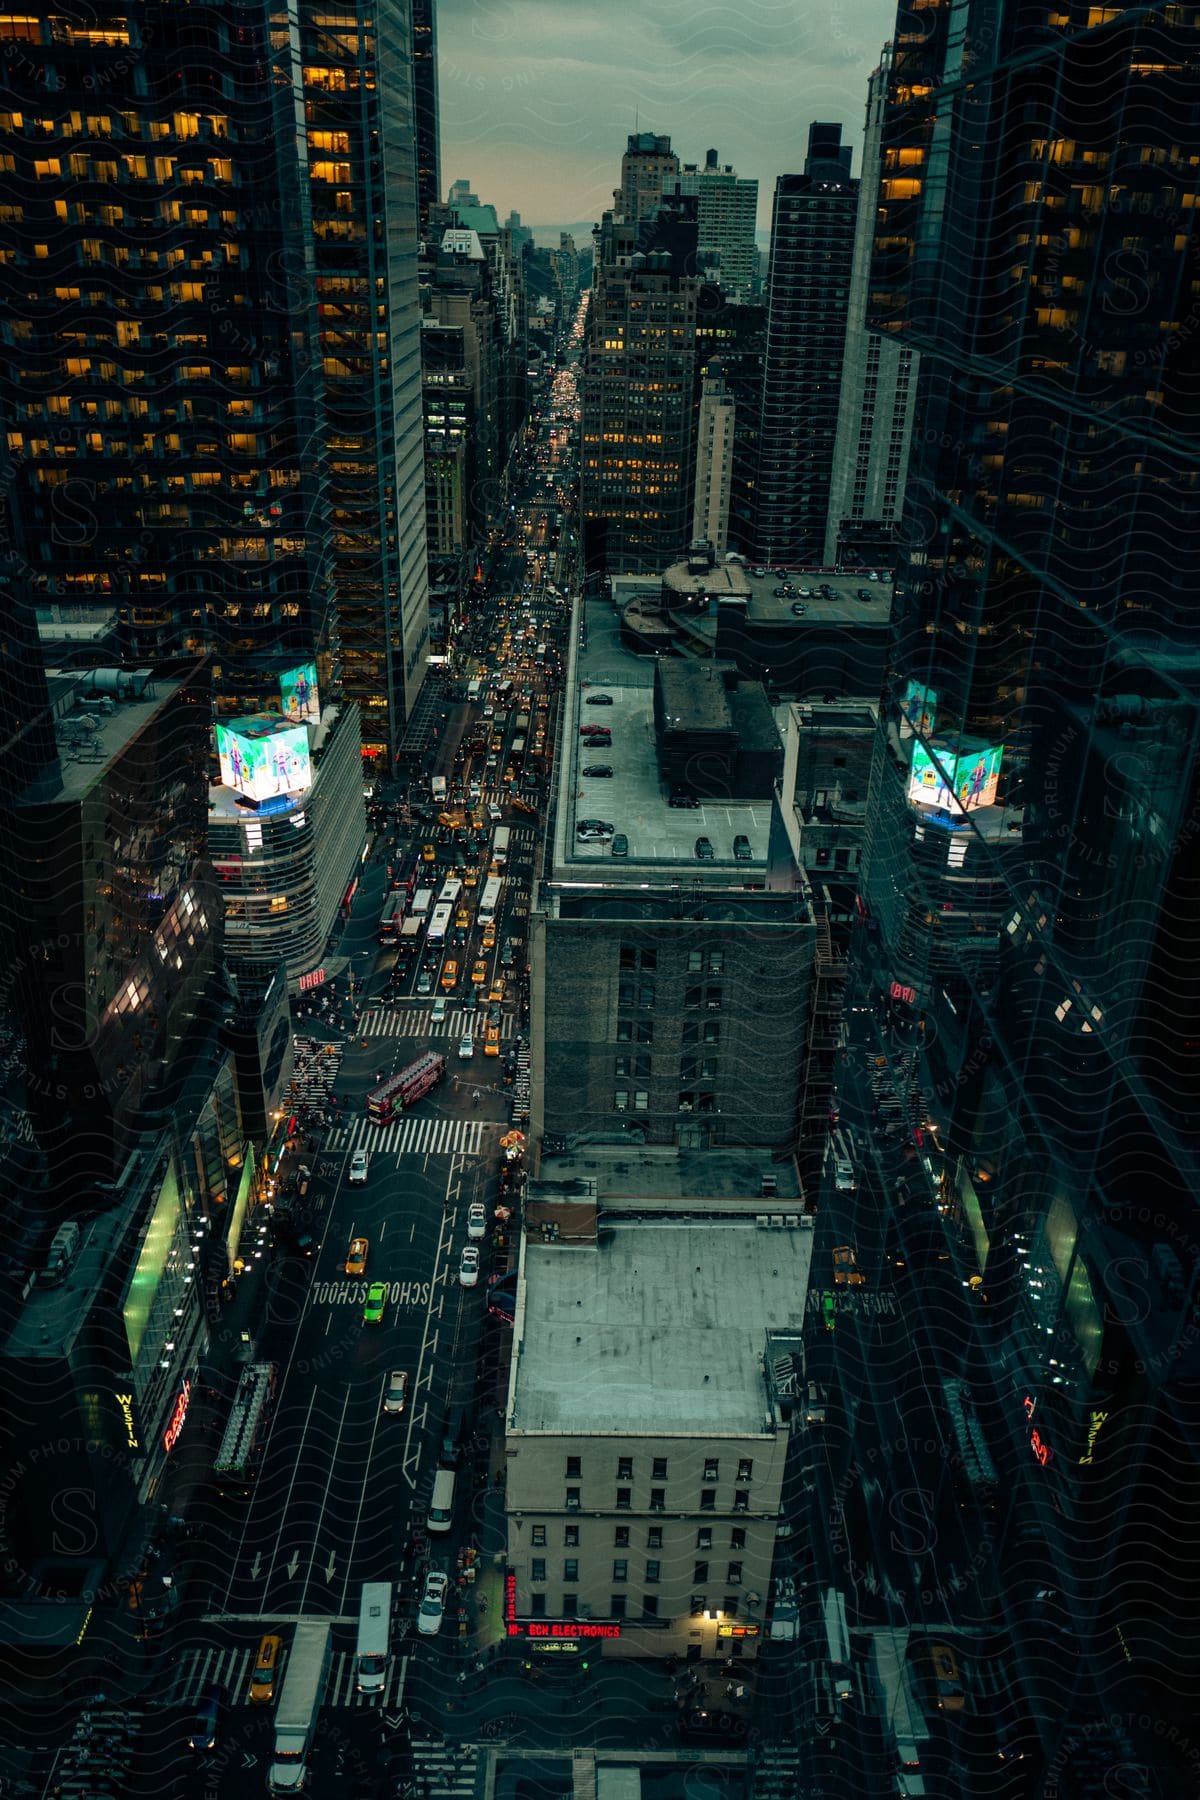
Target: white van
<point x="441" y="1507"/>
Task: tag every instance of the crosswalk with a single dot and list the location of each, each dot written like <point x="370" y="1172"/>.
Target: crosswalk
<point x="429" y="1136"/>
<point x="445" y="1771"/>
<point x="777" y="1775"/>
<point x="417" y="1022"/>
<point x="230" y="1667"/>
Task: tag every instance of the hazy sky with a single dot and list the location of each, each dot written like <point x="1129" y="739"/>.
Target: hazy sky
<point x="537" y="96"/>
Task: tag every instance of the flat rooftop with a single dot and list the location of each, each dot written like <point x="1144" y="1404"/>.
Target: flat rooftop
<point x="50" y="1316"/>
<point x="764" y="607"/>
<point x="661" y="1173"/>
<point x="633" y="799"/>
<point x="85" y="754"/>
<point x="658" y="1328"/>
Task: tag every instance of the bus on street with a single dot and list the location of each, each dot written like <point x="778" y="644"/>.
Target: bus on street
<point x="405" y="1088"/>
<point x="439" y="923"/>
<point x="391" y="919"/>
<point x="244" y="1443"/>
<point x="489" y="904"/>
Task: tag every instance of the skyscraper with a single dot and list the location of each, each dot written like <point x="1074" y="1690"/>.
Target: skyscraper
<point x="1032" y="863"/>
<point x="638" y="392"/>
<point x="879" y="383"/>
<point x="426" y="115"/>
<point x="808" y="289"/>
<point x="358" y="96"/>
<point x="726" y="216"/>
<point x="714" y="461"/>
<point x="648" y="170"/>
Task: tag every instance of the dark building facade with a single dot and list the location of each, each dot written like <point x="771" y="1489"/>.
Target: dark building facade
<point x="808" y="290"/>
<point x="1031" y="866"/>
<point x="426" y="116"/>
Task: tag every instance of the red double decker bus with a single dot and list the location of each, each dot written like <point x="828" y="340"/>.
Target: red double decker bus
<point x="405" y="1088"/>
<point x="405" y="872"/>
<point x="391" y="919"/>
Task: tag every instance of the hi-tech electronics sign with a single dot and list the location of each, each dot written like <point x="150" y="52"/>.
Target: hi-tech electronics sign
<point x="533" y="1630"/>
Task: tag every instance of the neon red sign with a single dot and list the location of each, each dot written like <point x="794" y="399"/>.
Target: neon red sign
<point x="907" y="994"/>
<point x="179" y="1414"/>
<point x="1040" y="1448"/>
<point x="548" y="1628"/>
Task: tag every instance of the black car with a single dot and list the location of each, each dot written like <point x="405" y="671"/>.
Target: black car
<point x="798" y="607"/>
<point x="599" y="700"/>
<point x="598" y="770"/>
<point x="865" y="594"/>
<point x="683" y="800"/>
<point x="741" y="849"/>
<point x="704" y="850"/>
<point x="620" y="845"/>
<point x="205" y="1725"/>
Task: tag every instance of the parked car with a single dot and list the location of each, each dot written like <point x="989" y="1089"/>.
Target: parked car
<point x="620" y="844"/>
<point x="599" y="700"/>
<point x="598" y="771"/>
<point x="592" y="829"/>
<point x="594" y="731"/>
<point x="741" y="849"/>
<point x="799" y="608"/>
<point x="686" y="801"/>
<point x="476" y="1220"/>
<point x="704" y="850"/>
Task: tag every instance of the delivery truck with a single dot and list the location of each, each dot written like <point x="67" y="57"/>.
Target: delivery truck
<point x="298" y="1705"/>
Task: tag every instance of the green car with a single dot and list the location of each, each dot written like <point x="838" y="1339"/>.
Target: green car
<point x="376" y="1301"/>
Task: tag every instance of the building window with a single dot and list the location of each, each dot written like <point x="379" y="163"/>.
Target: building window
<point x="716" y="962"/>
<point x="658" y="1499"/>
<point x="697" y="1606"/>
<point x="570" y="1605"/>
<point x="712" y="1469"/>
<point x="645" y="995"/>
<point x="735" y="1572"/>
<point x="729" y="1605"/>
<point x="621" y="1100"/>
<point x="539" y="1534"/>
<point x="712" y="1032"/>
<point x="649" y="1606"/>
<point x="537" y="1606"/>
<point x="695" y="962"/>
<point x="704" y="1538"/>
<point x="658" y="1469"/>
<point x="737" y="1538"/>
<point x="692" y="996"/>
<point x="641" y="1100"/>
<point x="621" y="1568"/>
<point x="537" y="1569"/>
<point x="572" y="1499"/>
<point x="653" y="1569"/>
<point x="741" y="1500"/>
<point x="574" y="1468"/>
<point x="621" y="1537"/>
<point x="616" y="1606"/>
<point x="571" y="1537"/>
<point x="708" y="1499"/>
<point x="654" y="1538"/>
<point x="628" y="957"/>
<point x="745" y="1468"/>
<point x="649" y="959"/>
<point x="700" y="1571"/>
<point x="571" y="1568"/>
<point x="624" y="1468"/>
<point x="624" y="1499"/>
<point x="631" y="1031"/>
<point x="712" y="998"/>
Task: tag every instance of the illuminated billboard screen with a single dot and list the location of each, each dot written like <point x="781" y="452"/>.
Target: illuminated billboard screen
<point x="298" y="695"/>
<point x="261" y="759"/>
<point x="152" y="1260"/>
<point x="955" y="779"/>
<point x="919" y="707"/>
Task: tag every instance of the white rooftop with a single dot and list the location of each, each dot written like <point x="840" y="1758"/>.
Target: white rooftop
<point x="659" y="1328"/>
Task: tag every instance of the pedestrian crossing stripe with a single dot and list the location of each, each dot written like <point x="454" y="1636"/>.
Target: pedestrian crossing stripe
<point x="433" y="1136"/>
<point x="413" y="1022"/>
<point x="231" y="1666"/>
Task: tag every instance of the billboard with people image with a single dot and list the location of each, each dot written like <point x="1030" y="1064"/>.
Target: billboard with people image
<point x="954" y="778"/>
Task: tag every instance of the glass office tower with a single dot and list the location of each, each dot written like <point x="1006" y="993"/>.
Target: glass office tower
<point x="1030" y="894"/>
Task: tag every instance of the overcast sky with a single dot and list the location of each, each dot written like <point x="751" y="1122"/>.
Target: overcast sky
<point x="538" y="96"/>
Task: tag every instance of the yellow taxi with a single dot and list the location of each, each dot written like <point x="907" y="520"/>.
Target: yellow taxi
<point x="491" y="1044"/>
<point x="462" y="919"/>
<point x="496" y="992"/>
<point x="266" y="1667"/>
<point x="470" y="877"/>
<point x="450" y="977"/>
<point x="479" y="973"/>
<point x="428" y="853"/>
<point x="846" y="1272"/>
<point x="356" y="1257"/>
<point x="488" y="940"/>
<point x="497" y="743"/>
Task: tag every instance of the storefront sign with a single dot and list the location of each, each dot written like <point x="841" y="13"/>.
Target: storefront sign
<point x="1095" y="1425"/>
<point x="537" y="1631"/>
<point x="1040" y="1448"/>
<point x="567" y="1646"/>
<point x="899" y="992"/>
<point x="178" y="1415"/>
<point x="313" y="979"/>
<point x="125" y="1402"/>
<point x="737" y="1631"/>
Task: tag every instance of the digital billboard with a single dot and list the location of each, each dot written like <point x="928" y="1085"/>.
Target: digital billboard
<point x="262" y="758"/>
<point x="919" y="706"/>
<point x="152" y="1260"/>
<point x="955" y="778"/>
<point x="298" y="694"/>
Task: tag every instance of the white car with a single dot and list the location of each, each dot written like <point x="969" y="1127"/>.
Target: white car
<point x="439" y="1011"/>
<point x="432" y="1609"/>
<point x="843" y="1177"/>
<point x="466" y="1048"/>
<point x="468" y="1267"/>
<point x="494" y="813"/>
<point x="395" y="1394"/>
<point x="476" y="1220"/>
<point x="358" y="1168"/>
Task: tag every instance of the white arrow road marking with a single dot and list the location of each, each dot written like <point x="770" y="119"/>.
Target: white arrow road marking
<point x="292" y="1564"/>
<point x="256" y="1565"/>
<point x="330" y="1566"/>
